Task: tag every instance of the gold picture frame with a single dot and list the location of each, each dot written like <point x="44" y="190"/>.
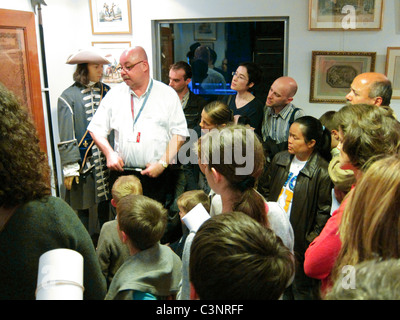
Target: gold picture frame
<point x="350" y="15"/>
<point x="110" y="17"/>
<point x="333" y="71"/>
<point x="392" y="69"/>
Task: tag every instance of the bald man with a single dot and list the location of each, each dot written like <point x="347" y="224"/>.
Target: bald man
<point x="149" y="125"/>
<point x="370" y="88"/>
<point x="279" y="114"/>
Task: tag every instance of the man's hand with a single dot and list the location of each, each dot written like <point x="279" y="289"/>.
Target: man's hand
<point x="115" y="162"/>
<point x="153" y="170"/>
<point x="69" y="180"/>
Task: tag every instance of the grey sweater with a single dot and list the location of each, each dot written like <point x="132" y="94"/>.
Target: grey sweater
<point x="156" y="270"/>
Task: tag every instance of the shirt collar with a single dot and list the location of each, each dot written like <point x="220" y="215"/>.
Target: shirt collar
<point x="283" y="113"/>
<point x="145" y="93"/>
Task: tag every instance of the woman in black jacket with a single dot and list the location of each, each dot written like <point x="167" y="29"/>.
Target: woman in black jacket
<point x="299" y="181"/>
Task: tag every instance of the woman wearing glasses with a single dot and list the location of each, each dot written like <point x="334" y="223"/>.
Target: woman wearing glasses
<point x="247" y="109"/>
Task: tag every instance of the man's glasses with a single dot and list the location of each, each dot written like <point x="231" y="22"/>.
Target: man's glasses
<point x="128" y="68"/>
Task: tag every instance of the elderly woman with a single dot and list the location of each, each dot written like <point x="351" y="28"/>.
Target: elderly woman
<point x="33" y="222"/>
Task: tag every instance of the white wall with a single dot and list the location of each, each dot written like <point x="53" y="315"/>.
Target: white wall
<point x="67" y="27"/>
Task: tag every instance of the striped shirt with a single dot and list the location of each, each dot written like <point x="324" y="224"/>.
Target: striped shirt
<point x="276" y="126"/>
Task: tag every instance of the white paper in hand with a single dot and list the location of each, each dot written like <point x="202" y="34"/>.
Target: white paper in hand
<point x="196" y="217"/>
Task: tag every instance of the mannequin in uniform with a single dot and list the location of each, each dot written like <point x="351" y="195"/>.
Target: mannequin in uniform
<point x="84" y="166"/>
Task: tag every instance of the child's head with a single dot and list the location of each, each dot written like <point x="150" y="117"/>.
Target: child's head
<point x="141" y="221"/>
<point x="124" y="186"/>
<point x="234" y="257"/>
<point x="329" y="122"/>
<point x="189" y="199"/>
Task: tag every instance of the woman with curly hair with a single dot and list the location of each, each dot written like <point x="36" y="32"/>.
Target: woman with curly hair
<point x="32" y="221"/>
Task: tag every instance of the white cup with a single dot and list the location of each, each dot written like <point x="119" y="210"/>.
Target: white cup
<point x="60" y="275"/>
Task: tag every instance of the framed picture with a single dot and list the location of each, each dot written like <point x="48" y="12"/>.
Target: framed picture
<point x="393" y="69"/>
<point x="345" y="15"/>
<point x="110" y="17"/>
<point x="113" y="51"/>
<point x="205" y="31"/>
<point x="332" y="73"/>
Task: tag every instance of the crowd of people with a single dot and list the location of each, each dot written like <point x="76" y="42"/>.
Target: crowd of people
<point x="231" y="199"/>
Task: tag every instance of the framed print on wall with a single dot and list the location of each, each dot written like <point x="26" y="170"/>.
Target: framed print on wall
<point x="110" y="17"/>
<point x="205" y="31"/>
<point x="113" y="51"/>
<point x="332" y="73"/>
<point x="393" y="69"/>
<point x="353" y="15"/>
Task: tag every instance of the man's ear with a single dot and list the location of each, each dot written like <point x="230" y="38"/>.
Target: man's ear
<point x="378" y="101"/>
<point x="193" y="293"/>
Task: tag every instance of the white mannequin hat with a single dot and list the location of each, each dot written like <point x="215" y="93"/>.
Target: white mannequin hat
<point x="90" y="55"/>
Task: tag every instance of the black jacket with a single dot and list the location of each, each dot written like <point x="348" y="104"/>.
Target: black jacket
<point x="312" y="199"/>
<point x="193" y="110"/>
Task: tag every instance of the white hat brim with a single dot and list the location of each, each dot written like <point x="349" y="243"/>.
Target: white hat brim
<point x="88" y="56"/>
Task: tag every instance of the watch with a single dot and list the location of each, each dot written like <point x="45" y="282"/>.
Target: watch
<point x="163" y="163"/>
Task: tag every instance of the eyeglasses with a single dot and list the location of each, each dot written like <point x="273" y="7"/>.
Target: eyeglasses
<point x="240" y="76"/>
<point x="128" y="68"/>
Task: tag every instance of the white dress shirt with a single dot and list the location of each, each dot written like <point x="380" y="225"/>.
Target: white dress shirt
<point x="146" y="141"/>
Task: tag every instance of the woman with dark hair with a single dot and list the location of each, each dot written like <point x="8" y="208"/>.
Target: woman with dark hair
<point x="244" y="103"/>
<point x="33" y="222"/>
<point x="84" y="166"/>
<point x="299" y="181"/>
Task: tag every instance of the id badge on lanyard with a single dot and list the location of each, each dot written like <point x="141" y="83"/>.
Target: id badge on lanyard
<point x="136" y="135"/>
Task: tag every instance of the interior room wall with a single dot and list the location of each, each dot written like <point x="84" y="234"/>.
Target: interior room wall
<point x="67" y="27"/>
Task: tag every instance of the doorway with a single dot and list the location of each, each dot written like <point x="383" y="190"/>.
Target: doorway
<point x="262" y="40"/>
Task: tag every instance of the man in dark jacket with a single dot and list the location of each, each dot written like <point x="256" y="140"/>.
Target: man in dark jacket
<point x="185" y="174"/>
<point x="180" y="75"/>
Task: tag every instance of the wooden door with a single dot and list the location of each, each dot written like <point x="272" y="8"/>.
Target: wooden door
<point x="19" y="63"/>
<point x="167" y="53"/>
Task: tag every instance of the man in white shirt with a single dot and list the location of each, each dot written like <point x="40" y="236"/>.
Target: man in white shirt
<point x="149" y="125"/>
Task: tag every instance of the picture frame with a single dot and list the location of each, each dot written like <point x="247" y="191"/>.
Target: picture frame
<point x="113" y="51"/>
<point x="332" y="73"/>
<point x="110" y="17"/>
<point x="392" y="70"/>
<point x="345" y="15"/>
<point x="205" y="31"/>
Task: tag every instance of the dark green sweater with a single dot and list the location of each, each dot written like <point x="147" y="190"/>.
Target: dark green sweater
<point x="35" y="228"/>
